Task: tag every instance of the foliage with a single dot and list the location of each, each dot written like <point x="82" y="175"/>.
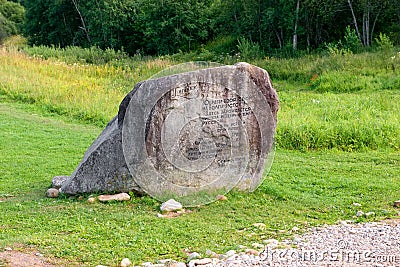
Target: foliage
<point x="169" y="26"/>
<point x="351" y="40"/>
<point x="11" y="19"/>
<point x="248" y="50"/>
<point x="384" y="42"/>
<point x="302" y="190"/>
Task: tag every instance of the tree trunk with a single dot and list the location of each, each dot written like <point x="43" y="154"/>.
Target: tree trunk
<point x="296" y="25"/>
<point x="83" y="27"/>
<point x="355" y="21"/>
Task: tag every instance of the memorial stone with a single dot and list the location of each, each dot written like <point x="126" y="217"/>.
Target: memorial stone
<point x="190" y="136"/>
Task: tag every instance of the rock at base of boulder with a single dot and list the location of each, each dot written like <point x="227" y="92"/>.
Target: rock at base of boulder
<point x="117" y="197"/>
<point x="52" y="192"/>
<point x="58" y="181"/>
<point x="171" y="205"/>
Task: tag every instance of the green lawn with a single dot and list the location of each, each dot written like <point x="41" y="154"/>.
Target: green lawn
<point x="303" y="189"/>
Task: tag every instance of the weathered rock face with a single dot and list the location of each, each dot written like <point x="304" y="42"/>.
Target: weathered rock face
<point x="103" y="167"/>
<point x="190" y="136"/>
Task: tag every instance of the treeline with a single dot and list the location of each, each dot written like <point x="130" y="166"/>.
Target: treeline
<point x="169" y="26"/>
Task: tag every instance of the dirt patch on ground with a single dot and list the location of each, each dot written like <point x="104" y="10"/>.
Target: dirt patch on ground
<point x="18" y="259"/>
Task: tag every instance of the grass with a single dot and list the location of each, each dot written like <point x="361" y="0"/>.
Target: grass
<point x="302" y="190"/>
<point x="337" y="143"/>
<point x="86" y="92"/>
<point x="316" y="112"/>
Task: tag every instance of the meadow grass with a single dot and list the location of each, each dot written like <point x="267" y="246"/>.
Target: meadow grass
<point x="316" y="112"/>
<point x="88" y="92"/>
<point x="302" y="190"/>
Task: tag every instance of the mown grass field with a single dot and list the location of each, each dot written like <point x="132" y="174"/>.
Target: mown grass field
<point x="334" y="148"/>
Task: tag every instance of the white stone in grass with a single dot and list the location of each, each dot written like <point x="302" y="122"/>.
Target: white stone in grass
<point x="359" y="213"/>
<point x="356" y="204"/>
<point x="52" y="192"/>
<point x="117" y="197"/>
<point x="194" y="255"/>
<point x="125" y="262"/>
<point x="91" y="200"/>
<point x="171" y="205"/>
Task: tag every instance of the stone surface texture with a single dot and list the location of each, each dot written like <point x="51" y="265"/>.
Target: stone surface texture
<point x="58" y="181"/>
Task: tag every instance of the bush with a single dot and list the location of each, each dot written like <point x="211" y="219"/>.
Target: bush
<point x="248" y="50"/>
<point x="384" y="42"/>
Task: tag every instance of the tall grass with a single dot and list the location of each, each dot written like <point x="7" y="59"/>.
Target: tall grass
<point x="346" y="102"/>
<point x="338" y="73"/>
<point x="84" y="91"/>
<point x="349" y="122"/>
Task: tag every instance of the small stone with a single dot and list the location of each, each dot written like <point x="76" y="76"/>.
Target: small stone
<point x="194" y="255"/>
<point x="125" y="263"/>
<point x="259" y="225"/>
<point x="58" y="181"/>
<point x="39" y="254"/>
<point x="171" y="205"/>
<point x="117" y="197"/>
<point x="212" y="254"/>
<point x="159" y="215"/>
<point x="368" y="214"/>
<point x="200" y="262"/>
<point x="230" y="253"/>
<point x="396" y="203"/>
<point x="222" y="198"/>
<point x="177" y="264"/>
<point x="359" y="213"/>
<point x="356" y="204"/>
<point x="52" y="192"/>
<point x="252" y="252"/>
<point x="7" y="249"/>
<point x="295" y="229"/>
<point x="241" y="247"/>
<point x="101" y="266"/>
<point x="91" y="200"/>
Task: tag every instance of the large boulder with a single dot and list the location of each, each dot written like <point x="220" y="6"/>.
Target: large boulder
<point x="190" y="136"/>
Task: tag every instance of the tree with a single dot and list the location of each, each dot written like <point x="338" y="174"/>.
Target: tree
<point x="11" y="18"/>
<point x="369" y="11"/>
<point x="50" y="22"/>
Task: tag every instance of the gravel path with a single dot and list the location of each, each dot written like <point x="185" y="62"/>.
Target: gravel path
<point x="346" y="244"/>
